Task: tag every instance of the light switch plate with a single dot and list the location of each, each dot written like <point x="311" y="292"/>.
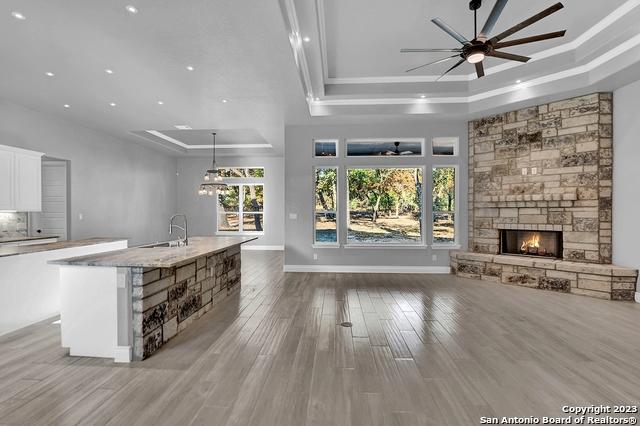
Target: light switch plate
<point x="524" y="171"/>
<point x="434" y="257"/>
<point x="534" y="170"/>
<point x="293" y="216"/>
<point x="315" y="256"/>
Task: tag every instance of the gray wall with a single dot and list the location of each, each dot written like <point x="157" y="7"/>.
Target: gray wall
<point x="626" y="176"/>
<point x="121" y="188"/>
<point x="201" y="210"/>
<point x="299" y="196"/>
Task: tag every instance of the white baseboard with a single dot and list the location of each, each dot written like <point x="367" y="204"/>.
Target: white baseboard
<point x="637" y="296"/>
<point x="246" y="247"/>
<point x="375" y="269"/>
<point x="123" y="354"/>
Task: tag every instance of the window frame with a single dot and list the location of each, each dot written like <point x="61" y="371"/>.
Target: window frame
<point x="244" y="182"/>
<point x="317" y="244"/>
<point x="456" y="211"/>
<point x="336" y="142"/>
<point x="422" y="142"/>
<point x="423" y="237"/>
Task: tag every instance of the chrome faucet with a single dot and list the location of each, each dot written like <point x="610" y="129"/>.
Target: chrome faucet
<point x="185" y="241"/>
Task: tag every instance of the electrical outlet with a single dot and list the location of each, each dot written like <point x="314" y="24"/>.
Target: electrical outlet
<point x="315" y="256"/>
<point x="80" y="216"/>
<point x="434" y="257"/>
<point x="293" y="216"/>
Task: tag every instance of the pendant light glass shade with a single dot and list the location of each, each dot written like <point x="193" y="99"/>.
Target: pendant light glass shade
<point x="213" y="184"/>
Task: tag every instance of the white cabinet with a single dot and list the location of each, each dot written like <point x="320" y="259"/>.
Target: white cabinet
<point x="20" y="179"/>
<point x="6" y="180"/>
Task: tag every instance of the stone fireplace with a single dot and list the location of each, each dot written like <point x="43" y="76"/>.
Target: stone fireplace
<point x="540" y="187"/>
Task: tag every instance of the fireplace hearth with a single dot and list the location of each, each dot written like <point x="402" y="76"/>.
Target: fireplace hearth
<point x="531" y="243"/>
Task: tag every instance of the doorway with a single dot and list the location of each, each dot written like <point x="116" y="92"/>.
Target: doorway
<point x="54" y="218"/>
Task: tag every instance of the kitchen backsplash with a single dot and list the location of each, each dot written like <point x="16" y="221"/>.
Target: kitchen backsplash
<point x="13" y="224"/>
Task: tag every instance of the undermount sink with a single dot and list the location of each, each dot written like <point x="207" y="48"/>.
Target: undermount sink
<point x="165" y="244"/>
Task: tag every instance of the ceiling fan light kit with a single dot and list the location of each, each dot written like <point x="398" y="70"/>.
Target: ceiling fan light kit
<point x="481" y="46"/>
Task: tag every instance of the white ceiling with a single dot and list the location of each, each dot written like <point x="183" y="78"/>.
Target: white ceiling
<point x="364" y="37"/>
<point x="252" y="53"/>
<point x="239" y="50"/>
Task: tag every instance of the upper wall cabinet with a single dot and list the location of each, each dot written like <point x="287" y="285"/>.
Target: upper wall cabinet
<point x="20" y="179"/>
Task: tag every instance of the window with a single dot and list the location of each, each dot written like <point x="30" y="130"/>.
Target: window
<point x="444" y="205"/>
<point x="385" y="206"/>
<point x="384" y="147"/>
<point x="444" y="147"/>
<point x="325" y="148"/>
<point x="241" y="210"/>
<point x="241" y="172"/>
<point x="326" y="201"/>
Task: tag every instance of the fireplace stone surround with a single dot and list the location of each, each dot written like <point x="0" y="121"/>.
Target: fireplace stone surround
<point x="545" y="168"/>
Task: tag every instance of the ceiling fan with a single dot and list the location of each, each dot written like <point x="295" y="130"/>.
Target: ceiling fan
<point x="474" y="51"/>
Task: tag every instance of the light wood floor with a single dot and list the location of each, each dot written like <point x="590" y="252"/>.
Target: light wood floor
<point x="423" y="349"/>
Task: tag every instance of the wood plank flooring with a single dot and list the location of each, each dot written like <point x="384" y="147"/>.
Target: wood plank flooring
<point x="423" y="350"/>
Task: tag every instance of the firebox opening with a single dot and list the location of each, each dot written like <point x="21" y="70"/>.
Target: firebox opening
<point x="531" y="243"/>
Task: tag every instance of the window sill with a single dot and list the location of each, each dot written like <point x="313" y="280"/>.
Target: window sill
<point x="386" y="247"/>
<point x="325" y="246"/>
<point x="446" y="246"/>
<point x="238" y="233"/>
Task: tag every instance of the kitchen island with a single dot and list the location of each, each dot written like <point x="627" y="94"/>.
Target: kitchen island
<point x="29" y="285"/>
<point x="126" y="304"/>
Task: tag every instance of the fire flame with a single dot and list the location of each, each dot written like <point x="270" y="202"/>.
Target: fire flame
<point x="534" y="242"/>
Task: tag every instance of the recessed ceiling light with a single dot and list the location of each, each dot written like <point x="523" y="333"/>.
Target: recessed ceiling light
<point x="131" y="9"/>
<point x="49" y="74"/>
<point x="224" y="101"/>
<point x="190" y="68"/>
<point x="306" y="39"/>
<point x="67" y="106"/>
<point x="518" y="81"/>
<point x="112" y="104"/>
<point x="108" y="71"/>
<point x="423" y="96"/>
<point x="160" y="103"/>
<point x="316" y="99"/>
<point x="18" y="15"/>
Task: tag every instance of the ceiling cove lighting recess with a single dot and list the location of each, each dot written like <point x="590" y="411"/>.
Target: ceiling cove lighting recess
<point x="131" y="9"/>
<point x="182" y="127"/>
<point x="18" y="15"/>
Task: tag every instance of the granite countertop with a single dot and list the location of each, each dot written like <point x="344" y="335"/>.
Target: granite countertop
<point x="157" y="257"/>
<point x="36" y="248"/>
<point x="25" y="238"/>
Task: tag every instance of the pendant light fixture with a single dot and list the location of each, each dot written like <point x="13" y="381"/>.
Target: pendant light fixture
<point x="213" y="184"/>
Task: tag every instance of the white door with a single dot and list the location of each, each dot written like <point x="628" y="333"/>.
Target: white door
<point x="6" y="180"/>
<point x="52" y="220"/>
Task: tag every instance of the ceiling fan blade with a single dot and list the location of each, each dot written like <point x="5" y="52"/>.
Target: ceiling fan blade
<point x="492" y="19"/>
<point x="509" y="56"/>
<point x="447" y="29"/>
<point x="479" y="69"/>
<point x="535" y="18"/>
<point x="460" y="62"/>
<point x="434" y="62"/>
<point x="531" y="39"/>
<point x="428" y="50"/>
